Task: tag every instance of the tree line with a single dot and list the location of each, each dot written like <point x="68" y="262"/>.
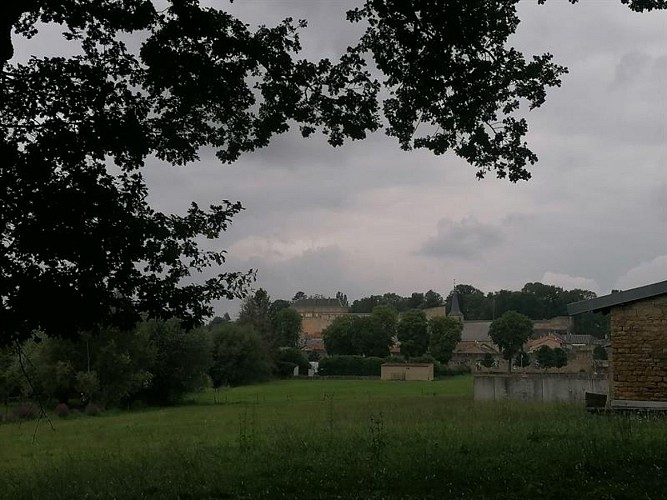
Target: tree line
<point x="535" y="300"/>
<point x="374" y="334"/>
<point x="158" y="361"/>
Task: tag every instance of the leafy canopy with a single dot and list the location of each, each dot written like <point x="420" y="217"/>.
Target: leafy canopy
<point x="81" y="246"/>
<point x="510" y="332"/>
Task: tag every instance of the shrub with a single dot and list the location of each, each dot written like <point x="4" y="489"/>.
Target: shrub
<point x="354" y="366"/>
<point x="293" y="357"/>
<point x="285" y="369"/>
<point x="452" y="371"/>
<point x="61" y="410"/>
<point x="93" y="410"/>
<point x="26" y="412"/>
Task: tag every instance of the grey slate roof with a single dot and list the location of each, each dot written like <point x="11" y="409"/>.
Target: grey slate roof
<point x="606" y="302"/>
<point x="455" y="310"/>
<point x="476" y="330"/>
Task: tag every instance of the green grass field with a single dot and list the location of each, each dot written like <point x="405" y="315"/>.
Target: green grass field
<point x="338" y="439"/>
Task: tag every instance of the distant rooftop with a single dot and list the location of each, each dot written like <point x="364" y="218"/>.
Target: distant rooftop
<point x="318" y="303"/>
<point x="606" y="302"/>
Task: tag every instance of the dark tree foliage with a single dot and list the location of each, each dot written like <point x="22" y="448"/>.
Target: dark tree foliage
<point x="450" y="71"/>
<point x="287" y="327"/>
<point x="560" y="357"/>
<point x="522" y="359"/>
<point x="488" y="360"/>
<point x="182" y="360"/>
<point x="472" y="301"/>
<point x="255" y="312"/>
<point x="361" y="335"/>
<point x="600" y="353"/>
<point x="80" y="244"/>
<point x="338" y="337"/>
<point x="239" y="356"/>
<point x="444" y="334"/>
<point x="510" y="332"/>
<point x="545" y="357"/>
<point x="412" y="333"/>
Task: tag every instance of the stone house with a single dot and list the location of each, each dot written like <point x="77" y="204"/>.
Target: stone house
<point x="552" y="341"/>
<point x="638" y="361"/>
<point x="317" y="314"/>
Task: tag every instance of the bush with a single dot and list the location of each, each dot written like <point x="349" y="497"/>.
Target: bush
<point x="93" y="410"/>
<point x="293" y="357"/>
<point x="285" y="369"/>
<point x="61" y="410"/>
<point x="452" y="371"/>
<point x="353" y="366"/>
<point x="26" y="412"/>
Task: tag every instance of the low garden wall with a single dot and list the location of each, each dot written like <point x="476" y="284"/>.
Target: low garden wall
<point x="542" y="387"/>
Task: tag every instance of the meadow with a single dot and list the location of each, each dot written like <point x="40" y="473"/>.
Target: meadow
<point x="309" y="439"/>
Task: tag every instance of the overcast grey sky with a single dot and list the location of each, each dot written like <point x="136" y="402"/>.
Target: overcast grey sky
<point x="368" y="218"/>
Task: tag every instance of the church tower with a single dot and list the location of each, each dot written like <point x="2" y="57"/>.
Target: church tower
<point x="455" y="311"/>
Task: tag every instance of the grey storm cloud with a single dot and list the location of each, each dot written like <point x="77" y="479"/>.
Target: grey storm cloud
<point x="464" y="239"/>
<point x="382" y="219"/>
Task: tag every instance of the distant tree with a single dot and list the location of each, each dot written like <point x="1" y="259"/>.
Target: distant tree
<point x="361" y="335"/>
<point x="600" y="353"/>
<point x="277" y="306"/>
<point x="387" y="318"/>
<point x="255" y="313"/>
<point x="545" y="357"/>
<point x="290" y="358"/>
<point x="510" y="332"/>
<point x="239" y="356"/>
<point x="522" y="359"/>
<point x="342" y="298"/>
<point x="560" y="358"/>
<point x="412" y="333"/>
<point x="595" y="324"/>
<point x="218" y="320"/>
<point x="488" y="360"/>
<point x="338" y="337"/>
<point x="444" y="334"/>
<point x="433" y="299"/>
<point x="182" y="361"/>
<point x="395" y="301"/>
<point x="415" y="301"/>
<point x="299" y="296"/>
<point x="373" y="335"/>
<point x="365" y="304"/>
<point x="287" y="327"/>
<point x="472" y="301"/>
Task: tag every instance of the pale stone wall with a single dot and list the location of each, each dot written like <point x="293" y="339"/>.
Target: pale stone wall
<point x="542" y="387"/>
<point x="639" y="350"/>
<point x="314" y="323"/>
<point x="411" y="371"/>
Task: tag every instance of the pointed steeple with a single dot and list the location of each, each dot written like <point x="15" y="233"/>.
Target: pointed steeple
<point x="455" y="311"/>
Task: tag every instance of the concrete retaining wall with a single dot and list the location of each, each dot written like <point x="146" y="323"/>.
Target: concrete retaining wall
<point x="547" y="387"/>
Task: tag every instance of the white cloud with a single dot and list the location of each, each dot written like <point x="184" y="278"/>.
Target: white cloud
<point x="568" y="282"/>
<point x="644" y="274"/>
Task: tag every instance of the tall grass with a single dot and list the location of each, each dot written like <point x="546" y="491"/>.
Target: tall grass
<point x="336" y="441"/>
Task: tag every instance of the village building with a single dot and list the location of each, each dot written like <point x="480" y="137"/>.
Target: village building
<point x="317" y="314"/>
<point x="407" y="371"/>
<point x="638" y="361"/>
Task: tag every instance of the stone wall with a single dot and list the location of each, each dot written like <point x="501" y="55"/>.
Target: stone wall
<point x="538" y="387"/>
<point x="639" y="350"/>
